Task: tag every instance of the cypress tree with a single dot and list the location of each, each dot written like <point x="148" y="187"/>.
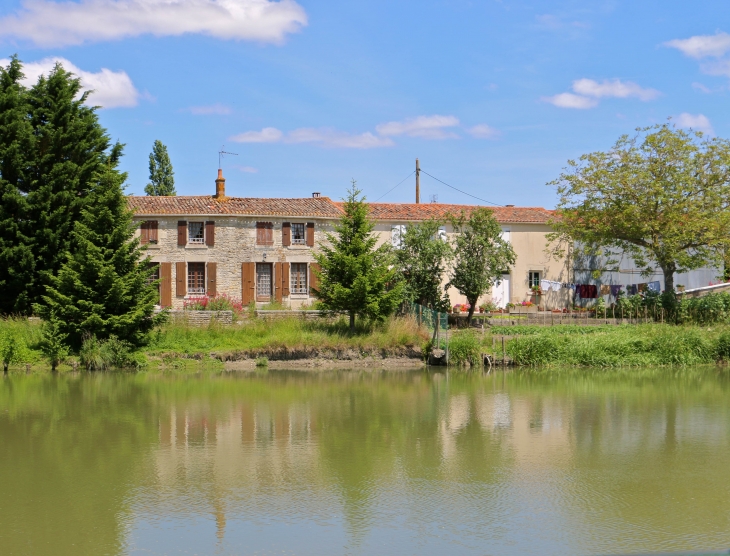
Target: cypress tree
<point x="356" y="276"/>
<point x="103" y="288"/>
<point x="162" y="178"/>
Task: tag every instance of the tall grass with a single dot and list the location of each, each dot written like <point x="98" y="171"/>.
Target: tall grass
<point x="465" y="348"/>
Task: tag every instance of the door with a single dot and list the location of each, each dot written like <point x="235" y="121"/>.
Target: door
<point x="500" y="292"/>
<point x="263" y="281"/>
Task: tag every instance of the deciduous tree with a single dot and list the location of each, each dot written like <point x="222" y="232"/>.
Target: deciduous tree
<point x="162" y="177"/>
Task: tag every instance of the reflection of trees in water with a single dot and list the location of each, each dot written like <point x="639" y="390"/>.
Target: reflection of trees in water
<point x="69" y="456"/>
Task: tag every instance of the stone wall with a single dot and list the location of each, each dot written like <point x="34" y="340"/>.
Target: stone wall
<point x="201" y="318"/>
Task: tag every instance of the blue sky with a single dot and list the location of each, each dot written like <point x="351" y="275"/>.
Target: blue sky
<point x="493" y="97"/>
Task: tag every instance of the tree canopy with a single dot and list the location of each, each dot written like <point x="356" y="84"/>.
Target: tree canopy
<point x="481" y="255"/>
<point x="356" y="276"/>
<point x="162" y="177"/>
<point x="661" y="196"/>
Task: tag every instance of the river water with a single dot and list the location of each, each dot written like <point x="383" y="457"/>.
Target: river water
<point x="356" y="462"/>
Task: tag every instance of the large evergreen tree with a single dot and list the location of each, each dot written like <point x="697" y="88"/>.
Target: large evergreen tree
<point x="51" y="148"/>
<point x="356" y="276"/>
<point x="103" y="287"/>
<point x="162" y="178"/>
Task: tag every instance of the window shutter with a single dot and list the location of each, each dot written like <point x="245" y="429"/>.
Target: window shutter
<point x="278" y="273"/>
<point x="313" y="278"/>
<point x="310" y="234"/>
<point x="210" y="287"/>
<point x="248" y="283"/>
<point x="286" y="234"/>
<point x="181" y="279"/>
<point x="182" y="233"/>
<point x="210" y="233"/>
<point x="264" y="233"/>
<point x="144" y="233"/>
<point x="166" y="284"/>
<point x="285" y="279"/>
<point x="153" y="231"/>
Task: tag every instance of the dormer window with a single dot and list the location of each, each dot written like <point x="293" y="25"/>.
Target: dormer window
<point x="196" y="233"/>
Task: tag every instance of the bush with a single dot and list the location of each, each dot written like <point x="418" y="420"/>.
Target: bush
<point x="465" y="348"/>
<point x="99" y="355"/>
<point x="53" y="345"/>
<point x="262" y="362"/>
<point x="723" y="346"/>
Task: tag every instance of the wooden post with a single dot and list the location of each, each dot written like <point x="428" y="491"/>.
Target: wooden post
<point x="504" y="354"/>
<point x="418" y="182"/>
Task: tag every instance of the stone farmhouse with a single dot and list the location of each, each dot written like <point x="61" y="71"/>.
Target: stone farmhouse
<point x="261" y="249"/>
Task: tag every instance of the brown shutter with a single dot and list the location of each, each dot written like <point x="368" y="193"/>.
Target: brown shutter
<point x="248" y="282"/>
<point x="313" y="278"/>
<point x="278" y="273"/>
<point x="286" y="234"/>
<point x="210" y="233"/>
<point x="166" y="284"/>
<point x="152" y="231"/>
<point x="310" y="234"/>
<point x="182" y="233"/>
<point x="181" y="279"/>
<point x="259" y="233"/>
<point x="285" y="279"/>
<point x="144" y="233"/>
<point x="210" y="287"/>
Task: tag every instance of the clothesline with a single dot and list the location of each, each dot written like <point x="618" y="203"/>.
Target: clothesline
<point x="592" y="291"/>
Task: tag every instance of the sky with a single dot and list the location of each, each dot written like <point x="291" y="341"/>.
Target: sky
<point x="494" y="97"/>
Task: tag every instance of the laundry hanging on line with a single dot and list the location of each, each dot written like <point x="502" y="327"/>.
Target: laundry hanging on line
<point x="587" y="291"/>
<point x="655" y="286"/>
<point x="631" y="289"/>
<point x="615" y="289"/>
<point x="605" y="289"/>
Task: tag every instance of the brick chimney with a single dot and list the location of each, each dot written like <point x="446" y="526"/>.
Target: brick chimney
<point x="220" y="185"/>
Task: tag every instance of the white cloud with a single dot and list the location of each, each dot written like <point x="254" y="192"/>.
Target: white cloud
<point x="613" y="88"/>
<point x="212" y="109"/>
<point x="702" y="46"/>
<point x="246" y="169"/>
<point x="425" y="127"/>
<point x="111" y="89"/>
<point x="266" y="135"/>
<point x="47" y="23"/>
<point x="483" y="131"/>
<point x="569" y="100"/>
<point x="697" y="122"/>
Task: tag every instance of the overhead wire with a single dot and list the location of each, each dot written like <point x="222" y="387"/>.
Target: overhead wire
<point x="459" y="190"/>
<point x="400" y="182"/>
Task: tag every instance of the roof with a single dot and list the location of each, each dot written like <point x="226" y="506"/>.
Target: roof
<point x="412" y="212"/>
<point x="321" y="207"/>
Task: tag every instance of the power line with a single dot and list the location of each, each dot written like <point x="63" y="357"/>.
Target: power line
<point x="459" y="190"/>
<point x="400" y="182"/>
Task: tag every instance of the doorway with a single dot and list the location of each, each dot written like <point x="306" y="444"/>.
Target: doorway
<point x="263" y="281"/>
<point x="500" y="292"/>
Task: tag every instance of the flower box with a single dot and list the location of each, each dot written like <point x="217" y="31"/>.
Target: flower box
<point x="522" y="309"/>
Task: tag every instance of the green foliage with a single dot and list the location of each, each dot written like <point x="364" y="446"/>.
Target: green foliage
<point x="13" y="348"/>
<point x="162" y="177"/>
<point x="356" y="276"/>
<point x="103" y="287"/>
<point x="53" y="346"/>
<point x="422" y="259"/>
<point x="481" y="255"/>
<point x="465" y="348"/>
<point x="723" y="346"/>
<point x="262" y="362"/>
<point x="52" y="150"/>
<point x="661" y="197"/>
<point x="112" y="353"/>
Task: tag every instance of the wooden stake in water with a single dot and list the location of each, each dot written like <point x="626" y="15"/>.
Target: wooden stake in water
<point x="504" y="353"/>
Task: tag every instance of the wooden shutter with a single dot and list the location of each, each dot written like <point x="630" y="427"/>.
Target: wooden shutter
<point x="181" y="279"/>
<point x="152" y="232"/>
<point x="286" y="234"/>
<point x="166" y="284"/>
<point x="210" y="287"/>
<point x="182" y="233"/>
<point x="278" y="273"/>
<point x="210" y="233"/>
<point x="144" y="233"/>
<point x="248" y="283"/>
<point x="313" y="278"/>
<point x="285" y="279"/>
<point x="310" y="234"/>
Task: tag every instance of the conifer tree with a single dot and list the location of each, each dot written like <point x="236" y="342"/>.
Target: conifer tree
<point x="162" y="178"/>
<point x="356" y="276"/>
<point x="103" y="287"/>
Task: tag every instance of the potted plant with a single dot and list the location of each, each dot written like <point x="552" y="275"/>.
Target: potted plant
<point x="457" y="309"/>
<point x="680" y="287"/>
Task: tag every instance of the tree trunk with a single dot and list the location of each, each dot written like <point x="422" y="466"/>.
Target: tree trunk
<point x="5" y="368"/>
<point x="352" y="321"/>
<point x="668" y="271"/>
<point x="472" y="304"/>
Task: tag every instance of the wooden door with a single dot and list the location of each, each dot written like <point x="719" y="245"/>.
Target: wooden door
<point x="248" y="283"/>
<point x="166" y="284"/>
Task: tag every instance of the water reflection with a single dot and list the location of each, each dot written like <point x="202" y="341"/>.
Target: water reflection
<point x="360" y="462"/>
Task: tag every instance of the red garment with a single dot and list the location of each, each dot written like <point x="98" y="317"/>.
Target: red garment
<point x="587" y="291"/>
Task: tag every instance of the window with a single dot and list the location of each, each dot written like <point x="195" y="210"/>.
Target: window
<point x="148" y="232"/>
<point x="196" y="232"/>
<point x="297" y="234"/>
<point x="264" y="233"/>
<point x="533" y="279"/>
<point x="298" y="278"/>
<point x="263" y="281"/>
<point x="196" y="278"/>
<point x="396" y="235"/>
<point x="442" y="233"/>
<point x="155" y="273"/>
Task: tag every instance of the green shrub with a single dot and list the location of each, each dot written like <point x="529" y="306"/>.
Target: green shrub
<point x="90" y="354"/>
<point x="53" y="345"/>
<point x="465" y="348"/>
<point x="99" y="355"/>
<point x="262" y="362"/>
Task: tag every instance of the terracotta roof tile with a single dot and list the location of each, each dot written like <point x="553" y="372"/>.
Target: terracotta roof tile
<point x="410" y="211"/>
<point x="321" y="207"/>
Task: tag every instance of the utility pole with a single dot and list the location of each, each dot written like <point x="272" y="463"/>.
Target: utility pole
<point x="418" y="183"/>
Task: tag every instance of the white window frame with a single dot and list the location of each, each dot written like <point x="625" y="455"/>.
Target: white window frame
<point x="301" y="290"/>
<point x="192" y="290"/>
<point x="303" y="240"/>
<point x="442" y="235"/>
<point x="533" y="278"/>
<point x="196" y="240"/>
<point x="396" y="235"/>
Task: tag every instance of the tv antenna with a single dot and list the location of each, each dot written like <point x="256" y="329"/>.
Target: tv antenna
<point x="221" y="153"/>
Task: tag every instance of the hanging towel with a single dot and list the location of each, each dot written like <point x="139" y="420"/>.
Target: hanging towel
<point x="587" y="291"/>
<point x="631" y="289"/>
<point x="654" y="286"/>
<point x="545" y="285"/>
<point x="642" y="287"/>
<point x="555" y="286"/>
<point x="605" y="289"/>
<point x="615" y="290"/>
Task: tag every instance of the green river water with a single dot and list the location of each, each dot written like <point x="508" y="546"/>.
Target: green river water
<point x="356" y="462"/>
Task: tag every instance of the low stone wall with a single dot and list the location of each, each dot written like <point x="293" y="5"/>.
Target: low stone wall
<point x="275" y="315"/>
<point x="202" y="318"/>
